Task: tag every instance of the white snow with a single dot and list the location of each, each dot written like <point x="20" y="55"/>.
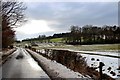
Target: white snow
<point x="112" y="62"/>
<point x="58" y="70"/>
<point x="7" y="53"/>
<point x="108" y="61"/>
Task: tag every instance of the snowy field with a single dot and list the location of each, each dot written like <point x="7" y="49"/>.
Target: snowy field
<point x="112" y="64"/>
<point x="111" y="67"/>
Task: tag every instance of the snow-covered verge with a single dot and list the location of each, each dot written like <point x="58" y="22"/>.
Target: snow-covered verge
<point x="54" y="69"/>
<point x="5" y="55"/>
<point x="8" y="52"/>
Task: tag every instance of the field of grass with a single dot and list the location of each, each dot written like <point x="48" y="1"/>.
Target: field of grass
<point x="103" y="47"/>
<point x="94" y="47"/>
<point x="99" y="47"/>
<point x="56" y="40"/>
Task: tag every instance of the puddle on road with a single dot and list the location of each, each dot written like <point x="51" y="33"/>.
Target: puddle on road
<point x="20" y="56"/>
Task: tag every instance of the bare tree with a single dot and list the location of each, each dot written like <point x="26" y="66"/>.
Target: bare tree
<point x="13" y="12"/>
<point x="12" y="16"/>
<point x="75" y="34"/>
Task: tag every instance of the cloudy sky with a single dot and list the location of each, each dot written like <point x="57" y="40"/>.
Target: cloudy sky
<point x="56" y="17"/>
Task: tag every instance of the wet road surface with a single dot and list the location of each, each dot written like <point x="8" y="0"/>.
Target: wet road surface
<point x="22" y="65"/>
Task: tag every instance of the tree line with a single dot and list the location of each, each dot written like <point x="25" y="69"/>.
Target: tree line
<point x="90" y="34"/>
<point x="87" y="34"/>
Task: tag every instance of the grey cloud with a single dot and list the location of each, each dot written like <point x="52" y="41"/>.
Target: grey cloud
<point x="74" y="13"/>
<point x="21" y="36"/>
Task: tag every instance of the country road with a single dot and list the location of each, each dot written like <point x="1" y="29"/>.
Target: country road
<point x="25" y="63"/>
<point x="22" y="65"/>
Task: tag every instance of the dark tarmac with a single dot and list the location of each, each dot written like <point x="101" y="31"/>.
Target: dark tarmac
<point x="22" y="65"/>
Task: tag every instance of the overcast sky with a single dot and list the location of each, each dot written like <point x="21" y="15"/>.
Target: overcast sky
<point x="55" y="17"/>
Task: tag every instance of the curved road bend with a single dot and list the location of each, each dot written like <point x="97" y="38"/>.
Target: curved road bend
<point x="24" y="67"/>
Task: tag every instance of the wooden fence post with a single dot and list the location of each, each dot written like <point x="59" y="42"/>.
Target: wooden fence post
<point x="101" y="64"/>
